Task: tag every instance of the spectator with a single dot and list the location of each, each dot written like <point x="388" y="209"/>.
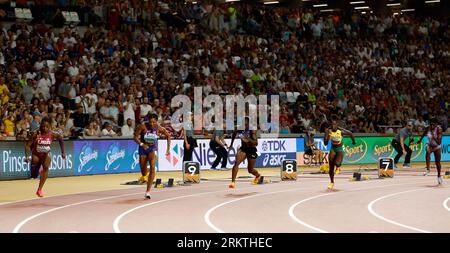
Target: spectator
<point x="43" y="86"/>
<point x="114" y="113"/>
<point x="320" y="64"/>
<point x="128" y="130"/>
<point x="92" y="100"/>
<point x="34" y="125"/>
<point x="72" y="93"/>
<point x="108" y="130"/>
<point x="10" y="126"/>
<point x="83" y="101"/>
<point x="3" y="133"/>
<point x="129" y="108"/>
<point x="56" y="105"/>
<point x="284" y="127"/>
<point x="80" y="119"/>
<point x="105" y="113"/>
<point x="92" y="130"/>
<point x="145" y="108"/>
<point x="22" y="135"/>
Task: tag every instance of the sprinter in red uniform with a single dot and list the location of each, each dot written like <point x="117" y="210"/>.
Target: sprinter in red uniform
<point x="40" y="143"/>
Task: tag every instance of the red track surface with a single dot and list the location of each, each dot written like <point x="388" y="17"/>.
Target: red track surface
<point x="407" y="203"/>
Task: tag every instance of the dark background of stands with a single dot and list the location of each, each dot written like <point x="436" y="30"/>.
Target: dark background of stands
<point x="46" y="9"/>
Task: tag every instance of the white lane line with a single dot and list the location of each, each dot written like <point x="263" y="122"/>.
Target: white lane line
<point x="445" y="203"/>
<point x="292" y="215"/>
<point x="120" y="217"/>
<point x="301" y="222"/>
<point x="371" y="204"/>
<point x="22" y="223"/>
<point x="79" y="193"/>
<point x="207" y="216"/>
<point x="63" y="195"/>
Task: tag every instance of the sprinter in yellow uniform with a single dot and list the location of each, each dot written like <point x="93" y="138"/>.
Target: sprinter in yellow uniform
<point x="337" y="147"/>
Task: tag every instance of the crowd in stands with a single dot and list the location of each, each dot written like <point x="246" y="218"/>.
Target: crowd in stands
<point x="374" y="72"/>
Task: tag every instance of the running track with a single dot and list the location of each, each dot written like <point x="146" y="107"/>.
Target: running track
<point x="406" y="203"/>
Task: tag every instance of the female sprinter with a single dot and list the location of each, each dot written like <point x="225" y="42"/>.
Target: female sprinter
<point x="337" y="149"/>
<point x="147" y="137"/>
<point x="246" y="151"/>
<point x="434" y="134"/>
<point x="40" y="142"/>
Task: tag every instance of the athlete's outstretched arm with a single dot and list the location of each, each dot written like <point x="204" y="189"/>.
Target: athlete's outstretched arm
<point x="254" y="140"/>
<point x="423" y="135"/>
<point x="61" y="144"/>
<point x="233" y="137"/>
<point x="326" y="138"/>
<point x="439" y="136"/>
<point x="137" y="133"/>
<point x="349" y="133"/>
<point x="28" y="144"/>
<point x="169" y="138"/>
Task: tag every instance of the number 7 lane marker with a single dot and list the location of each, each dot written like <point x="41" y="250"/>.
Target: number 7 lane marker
<point x="387" y="165"/>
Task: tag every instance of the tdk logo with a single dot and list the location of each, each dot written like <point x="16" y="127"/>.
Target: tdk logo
<point x="273" y="146"/>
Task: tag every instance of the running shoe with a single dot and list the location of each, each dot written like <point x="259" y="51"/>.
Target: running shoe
<point x="330" y="186"/>
<point x="407" y="165"/>
<point x="147" y="195"/>
<point x="144" y="179"/>
<point x="232" y="185"/>
<point x="427" y="173"/>
<point x="337" y="171"/>
<point x="40" y="193"/>
<point x="213" y="168"/>
<point x="256" y="180"/>
<point x="439" y="180"/>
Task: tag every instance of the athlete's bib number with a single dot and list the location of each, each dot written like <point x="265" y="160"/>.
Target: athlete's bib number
<point x="43" y="149"/>
<point x="150" y="138"/>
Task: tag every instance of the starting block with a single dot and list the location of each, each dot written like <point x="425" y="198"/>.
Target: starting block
<point x="289" y="170"/>
<point x="160" y="184"/>
<point x="358" y="177"/>
<point x="191" y="172"/>
<point x="263" y="180"/>
<point x="447" y="175"/>
<point x="386" y="167"/>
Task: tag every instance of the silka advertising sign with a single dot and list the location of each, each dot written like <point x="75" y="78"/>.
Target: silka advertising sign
<point x="105" y="157"/>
